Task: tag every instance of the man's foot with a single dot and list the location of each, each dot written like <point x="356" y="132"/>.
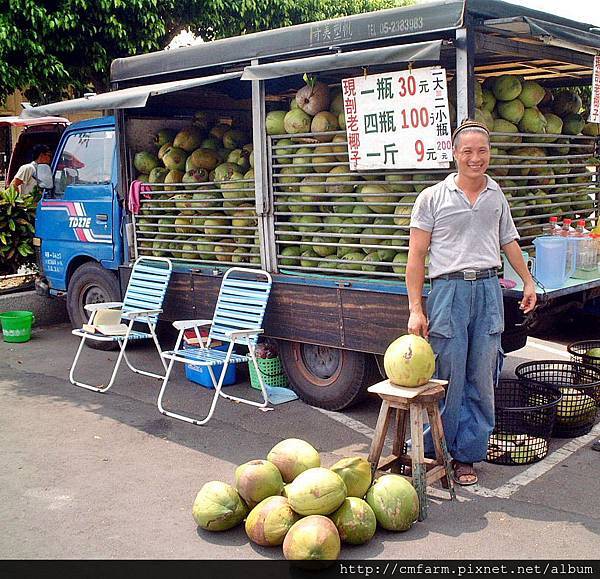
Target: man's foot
<point x="464" y="473"/>
<point x="596" y="445"/>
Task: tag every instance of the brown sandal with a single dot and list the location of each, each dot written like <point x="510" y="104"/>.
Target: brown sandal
<point x="462" y="470"/>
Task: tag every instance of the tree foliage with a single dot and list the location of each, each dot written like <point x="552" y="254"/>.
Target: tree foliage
<point x="63" y="48"/>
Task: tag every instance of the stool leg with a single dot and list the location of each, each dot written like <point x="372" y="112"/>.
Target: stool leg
<point x="419" y="471"/>
<point x="441" y="451"/>
<point x="383" y="421"/>
<point x="399" y="439"/>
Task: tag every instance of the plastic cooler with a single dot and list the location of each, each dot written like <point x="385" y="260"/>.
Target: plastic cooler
<point x="525" y="416"/>
<point x="579" y="385"/>
<point x="272" y="373"/>
<point x="200" y="374"/>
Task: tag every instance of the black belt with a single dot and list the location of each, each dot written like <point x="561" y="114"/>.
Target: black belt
<point x="470" y="274"/>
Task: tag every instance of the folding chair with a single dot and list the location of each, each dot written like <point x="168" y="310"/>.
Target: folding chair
<point x="237" y="319"/>
<point x="142" y="303"/>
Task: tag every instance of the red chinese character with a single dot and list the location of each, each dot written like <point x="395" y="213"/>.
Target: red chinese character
<point x="352" y="122"/>
<point x="350" y="106"/>
<point x="349" y="87"/>
<point x="354" y="140"/>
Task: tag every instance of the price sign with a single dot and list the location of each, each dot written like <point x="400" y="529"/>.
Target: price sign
<point x="398" y="120"/>
<point x="595" y="101"/>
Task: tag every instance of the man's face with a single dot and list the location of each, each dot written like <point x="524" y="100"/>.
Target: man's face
<point x="45" y="158"/>
<point x="472" y="154"/>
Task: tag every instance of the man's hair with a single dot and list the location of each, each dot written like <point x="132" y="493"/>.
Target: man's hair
<point x="469" y="126"/>
<point x="38" y="150"/>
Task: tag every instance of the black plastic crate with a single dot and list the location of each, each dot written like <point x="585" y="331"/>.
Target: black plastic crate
<point x="579" y="385"/>
<point x="525" y="415"/>
<point x="579" y="352"/>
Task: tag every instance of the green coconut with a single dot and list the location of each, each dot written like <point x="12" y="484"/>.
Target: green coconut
<point x="355" y="521"/>
<point x="269" y="522"/>
<point x="256" y="480"/>
<point x="316" y="491"/>
<point x="394" y="502"/>
<point x="218" y="507"/>
<point x="356" y="474"/>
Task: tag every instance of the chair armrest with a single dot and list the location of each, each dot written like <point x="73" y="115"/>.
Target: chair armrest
<point x="133" y="314"/>
<point x="241" y="333"/>
<point x="188" y="324"/>
<point x="103" y="306"/>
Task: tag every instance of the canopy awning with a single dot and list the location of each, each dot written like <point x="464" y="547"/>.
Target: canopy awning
<point x="369" y="57"/>
<point x="23" y="122"/>
<point x="126" y="98"/>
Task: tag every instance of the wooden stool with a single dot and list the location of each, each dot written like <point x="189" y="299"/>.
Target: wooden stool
<point x="410" y="403"/>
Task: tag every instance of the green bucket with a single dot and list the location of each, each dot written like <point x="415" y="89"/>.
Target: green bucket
<point x="16" y="325"/>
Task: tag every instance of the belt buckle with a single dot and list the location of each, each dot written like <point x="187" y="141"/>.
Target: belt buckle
<point x="470" y="274"/>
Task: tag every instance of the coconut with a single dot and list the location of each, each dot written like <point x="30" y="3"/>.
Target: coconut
<point x="269" y="522"/>
<point x="144" y="162"/>
<point x="316" y="491"/>
<point x="204" y="158"/>
<point x="356" y="474"/>
<point x="297" y="121"/>
<point x="174" y="158"/>
<point x="173" y="176"/>
<point x="394" y="502"/>
<point x="312" y="538"/>
<point x="324" y="122"/>
<point x="188" y="139"/>
<point x="506" y="87"/>
<point x="409" y="361"/>
<point x="234" y="139"/>
<point x="531" y="94"/>
<point x="566" y="103"/>
<point x="313" y="97"/>
<point x="218" y="507"/>
<point x="573" y="124"/>
<point x="274" y="122"/>
<point x="163" y="137"/>
<point x="511" y="110"/>
<point x="355" y="521"/>
<point x="256" y="480"/>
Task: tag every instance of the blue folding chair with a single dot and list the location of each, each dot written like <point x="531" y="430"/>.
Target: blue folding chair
<point x="237" y="319"/>
<point x="142" y="304"/>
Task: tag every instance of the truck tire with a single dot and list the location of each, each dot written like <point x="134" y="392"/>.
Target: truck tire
<point x="329" y="378"/>
<point x="91" y="284"/>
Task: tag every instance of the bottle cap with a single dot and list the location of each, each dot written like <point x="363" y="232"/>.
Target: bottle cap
<point x="567" y="221"/>
<point x="553" y="219"/>
<point x="581" y="222"/>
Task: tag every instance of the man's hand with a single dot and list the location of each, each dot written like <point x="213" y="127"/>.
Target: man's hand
<point x="418" y="325"/>
<point x="529" y="298"/>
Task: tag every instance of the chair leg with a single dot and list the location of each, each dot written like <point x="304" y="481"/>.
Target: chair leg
<point x="263" y="388"/>
<point x="157" y="346"/>
<point x="114" y="372"/>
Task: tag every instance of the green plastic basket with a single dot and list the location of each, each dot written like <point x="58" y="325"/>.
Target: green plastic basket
<point x="16" y="325"/>
<point x="271" y="370"/>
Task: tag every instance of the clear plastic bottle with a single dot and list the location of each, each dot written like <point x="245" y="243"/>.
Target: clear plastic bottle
<point x="567" y="229"/>
<point x="552" y="227"/>
<point x="580" y="229"/>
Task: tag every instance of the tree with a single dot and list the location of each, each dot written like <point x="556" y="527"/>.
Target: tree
<point x="63" y="48"/>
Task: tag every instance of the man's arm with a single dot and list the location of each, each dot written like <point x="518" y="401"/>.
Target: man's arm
<point x="515" y="257"/>
<point x="16" y="183"/>
<point x="415" y="279"/>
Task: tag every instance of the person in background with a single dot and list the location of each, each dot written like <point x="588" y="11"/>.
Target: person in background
<point x="26" y="178"/>
<point x="462" y="223"/>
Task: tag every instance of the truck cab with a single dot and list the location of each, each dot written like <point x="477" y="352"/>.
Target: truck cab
<point x="78" y="220"/>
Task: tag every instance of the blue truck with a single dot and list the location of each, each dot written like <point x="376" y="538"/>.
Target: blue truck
<point x="332" y="314"/>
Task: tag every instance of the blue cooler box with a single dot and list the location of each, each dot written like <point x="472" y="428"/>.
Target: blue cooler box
<point x="201" y="375"/>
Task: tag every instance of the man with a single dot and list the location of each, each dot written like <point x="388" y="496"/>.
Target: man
<point x="463" y="222"/>
<point x="26" y="178"/>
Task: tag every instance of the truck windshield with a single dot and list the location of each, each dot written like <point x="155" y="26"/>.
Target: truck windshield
<point x="86" y="159"/>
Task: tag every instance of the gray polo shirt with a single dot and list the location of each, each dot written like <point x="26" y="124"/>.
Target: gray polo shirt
<point x="463" y="236"/>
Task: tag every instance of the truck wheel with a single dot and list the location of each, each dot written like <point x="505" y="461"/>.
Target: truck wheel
<point x="326" y="377"/>
<point x="91" y="284"/>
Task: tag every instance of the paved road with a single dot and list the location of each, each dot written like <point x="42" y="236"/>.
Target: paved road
<point x="106" y="476"/>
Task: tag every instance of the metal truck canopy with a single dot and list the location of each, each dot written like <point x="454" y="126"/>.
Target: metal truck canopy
<point x="360" y="29"/>
<point x="403" y="53"/>
<point x="27" y="122"/>
<point x="134" y="97"/>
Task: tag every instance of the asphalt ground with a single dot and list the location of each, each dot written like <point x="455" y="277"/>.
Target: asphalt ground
<point x="106" y="476"/>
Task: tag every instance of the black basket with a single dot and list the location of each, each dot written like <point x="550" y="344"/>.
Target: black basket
<point x="525" y="415"/>
<point x="579" y="352"/>
<point x="579" y="385"/>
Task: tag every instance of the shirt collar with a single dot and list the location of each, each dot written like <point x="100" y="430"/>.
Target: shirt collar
<point x="451" y="183"/>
